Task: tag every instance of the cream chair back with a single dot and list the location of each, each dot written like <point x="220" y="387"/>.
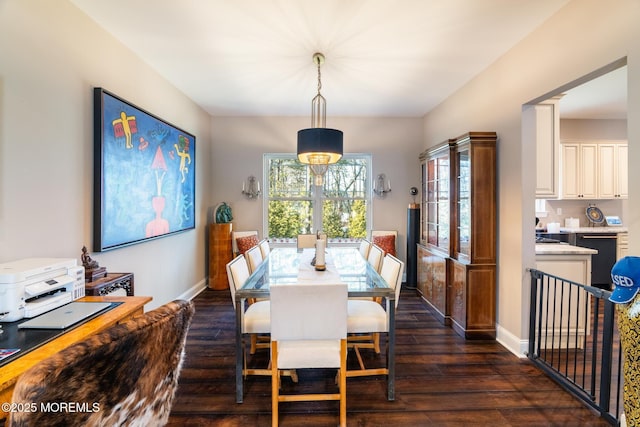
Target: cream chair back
<point x="254" y="258"/>
<point x="237" y="274"/>
<point x="364" y="248"/>
<point x="303" y="312"/>
<point x="306" y="241"/>
<point x="375" y="257"/>
<point x="391" y="271"/>
<point x="264" y="248"/>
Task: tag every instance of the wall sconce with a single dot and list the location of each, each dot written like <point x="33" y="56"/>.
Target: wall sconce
<point x="382" y="185"/>
<point x="252" y="190"/>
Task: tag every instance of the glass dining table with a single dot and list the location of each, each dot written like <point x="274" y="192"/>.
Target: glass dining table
<point x="287" y="265"/>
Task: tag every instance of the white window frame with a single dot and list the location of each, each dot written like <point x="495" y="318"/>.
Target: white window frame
<point x="317" y="196"/>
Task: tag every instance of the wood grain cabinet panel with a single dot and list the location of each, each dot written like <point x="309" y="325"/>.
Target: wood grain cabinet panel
<point x="457" y="253"/>
<point x="220" y="253"/>
<point x="432" y="282"/>
<point x="473" y="310"/>
<point x="474" y="235"/>
<point x="424" y="278"/>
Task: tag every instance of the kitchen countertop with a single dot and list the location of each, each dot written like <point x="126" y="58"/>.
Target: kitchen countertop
<point x="595" y="230"/>
<point x="562" y="249"/>
<point x="587" y="230"/>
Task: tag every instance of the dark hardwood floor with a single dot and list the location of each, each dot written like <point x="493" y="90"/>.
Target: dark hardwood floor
<point x="441" y="380"/>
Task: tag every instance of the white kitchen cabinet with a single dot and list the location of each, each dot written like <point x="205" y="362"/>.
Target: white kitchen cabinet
<point x="579" y="165"/>
<point x="566" y="325"/>
<point x="545" y="121"/>
<point x="623" y="245"/>
<point x="612" y="171"/>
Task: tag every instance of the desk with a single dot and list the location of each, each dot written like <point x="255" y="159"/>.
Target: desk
<point x="282" y="266"/>
<point x="9" y="373"/>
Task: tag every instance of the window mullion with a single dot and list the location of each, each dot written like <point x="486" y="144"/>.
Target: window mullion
<point x="318" y="198"/>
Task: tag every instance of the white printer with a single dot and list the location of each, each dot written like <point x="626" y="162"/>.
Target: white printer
<point x="32" y="286"/>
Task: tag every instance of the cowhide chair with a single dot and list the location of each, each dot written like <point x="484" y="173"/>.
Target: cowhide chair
<point x="124" y="375"/>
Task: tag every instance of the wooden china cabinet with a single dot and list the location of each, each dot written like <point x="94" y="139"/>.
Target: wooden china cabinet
<point x="473" y="260"/>
<point x="433" y="250"/>
<point x="457" y="254"/>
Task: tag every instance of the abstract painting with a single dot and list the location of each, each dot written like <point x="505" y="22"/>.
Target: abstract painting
<point x="144" y="175"/>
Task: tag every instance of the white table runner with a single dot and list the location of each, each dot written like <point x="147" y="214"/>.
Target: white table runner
<point x="307" y="273"/>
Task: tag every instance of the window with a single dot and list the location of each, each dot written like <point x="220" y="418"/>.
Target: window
<point x="293" y="205"/>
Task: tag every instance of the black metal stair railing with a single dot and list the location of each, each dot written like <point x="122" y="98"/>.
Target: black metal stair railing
<point x="574" y="339"/>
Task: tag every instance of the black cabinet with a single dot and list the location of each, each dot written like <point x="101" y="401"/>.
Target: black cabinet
<point x="602" y="262"/>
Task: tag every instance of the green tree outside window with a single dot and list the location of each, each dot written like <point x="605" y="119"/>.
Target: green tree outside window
<point x="344" y="198"/>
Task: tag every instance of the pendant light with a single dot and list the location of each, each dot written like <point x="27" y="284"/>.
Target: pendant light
<point x="319" y="146"/>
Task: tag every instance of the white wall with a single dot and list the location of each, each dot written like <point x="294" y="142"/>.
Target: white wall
<point x="51" y="57"/>
<point x="593" y="129"/>
<point x="582" y="37"/>
<point x="239" y="142"/>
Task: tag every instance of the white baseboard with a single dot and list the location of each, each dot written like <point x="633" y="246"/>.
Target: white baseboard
<point x="512" y="343"/>
<point x="192" y="292"/>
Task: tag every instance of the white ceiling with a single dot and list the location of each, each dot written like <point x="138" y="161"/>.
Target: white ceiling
<point x="383" y="57"/>
<point x="602" y="98"/>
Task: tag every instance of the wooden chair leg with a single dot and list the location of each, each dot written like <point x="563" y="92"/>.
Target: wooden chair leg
<point x="275" y="384"/>
<point x="343" y="383"/>
<point x="356" y="350"/>
<point x="254" y="343"/>
<point x="293" y="374"/>
<point x="376" y="342"/>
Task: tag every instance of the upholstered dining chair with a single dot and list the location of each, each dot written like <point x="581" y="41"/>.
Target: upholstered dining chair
<point x="375" y="256"/>
<point x="386" y="240"/>
<point x="371" y="318"/>
<point x="242" y="241"/>
<point x="308" y="330"/>
<point x="256" y="318"/>
<point x="364" y="247"/>
<point x="306" y="241"/>
<point x="254" y="258"/>
<point x="264" y="248"/>
<point x="119" y="373"/>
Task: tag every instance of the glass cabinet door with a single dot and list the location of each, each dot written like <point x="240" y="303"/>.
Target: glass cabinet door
<point x="463" y="187"/>
<point x="423" y="204"/>
<point x="437" y="202"/>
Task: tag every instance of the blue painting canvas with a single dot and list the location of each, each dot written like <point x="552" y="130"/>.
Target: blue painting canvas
<point x="144" y="175"/>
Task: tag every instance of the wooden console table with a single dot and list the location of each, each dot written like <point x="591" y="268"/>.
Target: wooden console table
<point x="9" y="373"/>
<point x="111" y="282"/>
<point x="220" y="253"/>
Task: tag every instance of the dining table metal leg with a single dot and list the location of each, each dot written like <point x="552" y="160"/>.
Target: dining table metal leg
<point x="391" y="362"/>
<point x="239" y="351"/>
